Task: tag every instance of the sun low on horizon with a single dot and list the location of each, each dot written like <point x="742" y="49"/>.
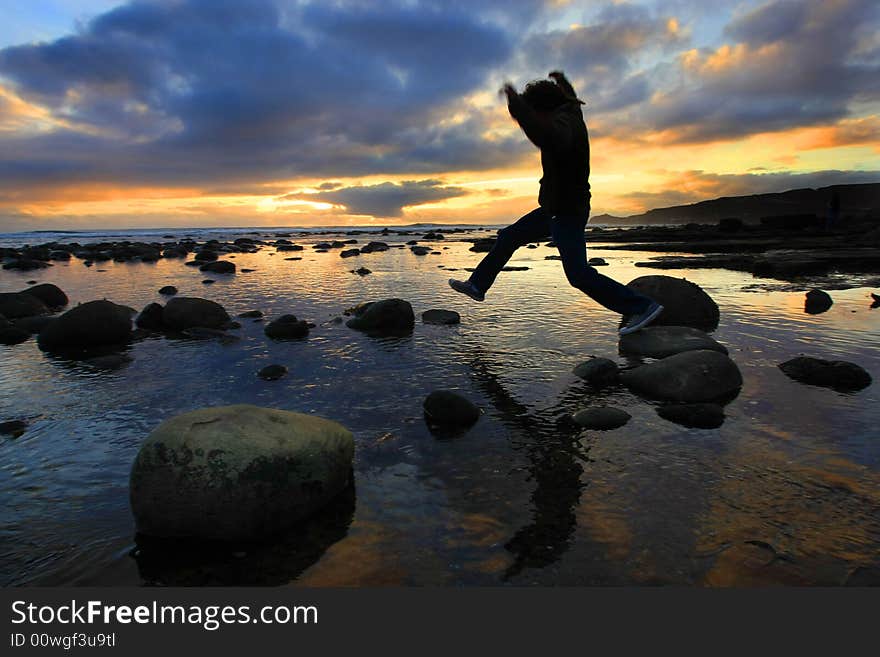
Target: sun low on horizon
<point x="164" y="113"/>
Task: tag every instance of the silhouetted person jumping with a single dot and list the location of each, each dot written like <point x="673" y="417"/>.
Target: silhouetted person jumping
<point x="550" y="115"/>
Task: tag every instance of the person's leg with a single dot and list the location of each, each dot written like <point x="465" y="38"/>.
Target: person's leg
<point x="568" y="233"/>
<point x="530" y="228"/>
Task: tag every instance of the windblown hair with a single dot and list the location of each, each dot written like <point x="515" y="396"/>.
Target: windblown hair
<point x="544" y="95"/>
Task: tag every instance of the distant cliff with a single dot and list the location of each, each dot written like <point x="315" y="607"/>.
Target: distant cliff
<point x="854" y="200"/>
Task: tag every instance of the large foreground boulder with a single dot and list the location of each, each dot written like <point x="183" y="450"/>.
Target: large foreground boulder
<point x="91" y="324"/>
<point x="663" y="341"/>
<point x="18" y="304"/>
<point x="684" y="303"/>
<point x="386" y="317"/>
<point x="186" y="312"/>
<point x="237" y="472"/>
<point x="837" y="374"/>
<point x="51" y="295"/>
<point x="691" y="376"/>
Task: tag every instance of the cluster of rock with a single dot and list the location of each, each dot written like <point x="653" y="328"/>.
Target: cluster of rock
<point x="691" y="375"/>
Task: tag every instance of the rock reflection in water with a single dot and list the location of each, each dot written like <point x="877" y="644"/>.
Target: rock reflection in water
<point x="165" y="562"/>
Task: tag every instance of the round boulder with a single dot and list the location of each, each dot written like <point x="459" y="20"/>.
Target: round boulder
<point x="386" y="317"/>
<point x="602" y="418"/>
<point x="693" y="416"/>
<point x="663" y="341"/>
<point x="168" y="291"/>
<point x="441" y="317"/>
<point x="287" y="327"/>
<point x="597" y="371"/>
<point x="51" y="295"/>
<point x="237" y="472"/>
<point x="837" y="374"/>
<point x="90" y="324"/>
<point x="186" y="312"/>
<point x="18" y="304"/>
<point x="684" y="303"/>
<point x="817" y="302"/>
<point x="151" y="317"/>
<point x="691" y="376"/>
<point x="444" y="408"/>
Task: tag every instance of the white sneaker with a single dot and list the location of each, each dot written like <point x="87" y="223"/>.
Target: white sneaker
<point x="467" y="288"/>
<point x="640" y="321"/>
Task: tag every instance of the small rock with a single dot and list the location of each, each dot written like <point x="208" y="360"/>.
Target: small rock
<point x="349" y="253"/>
<point x="51" y="295"/>
<point x="168" y="290"/>
<point x="693" y="416"/>
<point x="151" y="318"/>
<point x="603" y="418"/>
<point x="251" y="313"/>
<point x="836" y="374"/>
<point x="272" y="372"/>
<point x="387" y="317"/>
<point x="186" y="312"/>
<point x="14" y="428"/>
<point x="445" y="408"/>
<point x="598" y="371"/>
<point x="208" y="281"/>
<point x="597" y="262"/>
<point x="361" y="271"/>
<point x="287" y="327"/>
<point x="441" y="317"/>
<point x="817" y="302"/>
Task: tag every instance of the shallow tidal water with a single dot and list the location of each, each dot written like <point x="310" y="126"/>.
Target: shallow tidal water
<point x="786" y="492"/>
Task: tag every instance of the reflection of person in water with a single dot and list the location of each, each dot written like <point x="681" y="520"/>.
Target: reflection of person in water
<point x="549" y="113"/>
<point x="833" y="214"/>
<point x="553" y="468"/>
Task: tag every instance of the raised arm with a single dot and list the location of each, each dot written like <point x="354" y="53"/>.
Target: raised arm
<point x="547" y="132"/>
<point x="559" y="78"/>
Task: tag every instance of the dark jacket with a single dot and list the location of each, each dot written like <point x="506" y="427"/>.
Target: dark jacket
<point x="565" y="154"/>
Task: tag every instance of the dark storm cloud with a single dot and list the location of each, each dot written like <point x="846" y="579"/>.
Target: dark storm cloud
<point x="385" y="199"/>
<point x="210" y="90"/>
<point x="606" y="53"/>
<point x="791" y="64"/>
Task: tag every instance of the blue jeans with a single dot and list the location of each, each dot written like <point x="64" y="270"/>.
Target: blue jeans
<point x="567" y="232"/>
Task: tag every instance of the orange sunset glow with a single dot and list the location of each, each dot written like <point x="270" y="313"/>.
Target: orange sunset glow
<point x="104" y="125"/>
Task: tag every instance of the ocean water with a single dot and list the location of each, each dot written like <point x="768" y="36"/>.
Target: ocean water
<point x="785" y="492"/>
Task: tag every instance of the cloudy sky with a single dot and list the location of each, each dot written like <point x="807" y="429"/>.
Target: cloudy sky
<point x="292" y="112"/>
